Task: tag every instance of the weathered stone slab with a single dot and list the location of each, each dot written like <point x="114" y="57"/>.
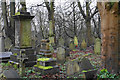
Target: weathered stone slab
<point x="87" y="68"/>
<point x="53" y="70"/>
<point x="49" y="62"/>
<point x="5" y="56"/>
<point x="27" y="64"/>
<point x="85" y="64"/>
<point x="27" y="51"/>
<point x="11" y="73"/>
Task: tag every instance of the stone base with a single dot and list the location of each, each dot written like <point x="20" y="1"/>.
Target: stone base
<point x="5" y="56"/>
<point x="49" y="55"/>
<point x="28" y="51"/>
<point x="45" y="51"/>
<point x="53" y="70"/>
<point x="27" y="64"/>
<point x="30" y="58"/>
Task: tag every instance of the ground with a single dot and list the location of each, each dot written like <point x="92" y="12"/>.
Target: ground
<point x="95" y="60"/>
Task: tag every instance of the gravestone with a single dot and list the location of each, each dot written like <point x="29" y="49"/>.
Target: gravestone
<point x="71" y="45"/>
<point x="61" y="41"/>
<point x="70" y="70"/>
<point x="83" y="45"/>
<point x="75" y="41"/>
<point x="11" y="74"/>
<point x="88" y="68"/>
<point x="60" y="54"/>
<point x="97" y="46"/>
<point x="76" y="67"/>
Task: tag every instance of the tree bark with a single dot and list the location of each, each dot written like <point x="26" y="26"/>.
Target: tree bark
<point x="110" y="35"/>
<point x="4" y="13"/>
<point x="12" y="22"/>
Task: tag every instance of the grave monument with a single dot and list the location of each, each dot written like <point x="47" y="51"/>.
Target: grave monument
<point x="23" y="51"/>
<point x="46" y="64"/>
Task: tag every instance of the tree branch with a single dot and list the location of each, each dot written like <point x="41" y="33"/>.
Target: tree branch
<point x="81" y="10"/>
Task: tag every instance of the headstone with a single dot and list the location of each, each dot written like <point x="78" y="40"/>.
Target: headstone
<point x="76" y="67"/>
<point x="86" y="65"/>
<point x="61" y="41"/>
<point x="71" y="45"/>
<point x="70" y="70"/>
<point x="83" y="44"/>
<point x="11" y="73"/>
<point x="61" y="54"/>
<point x="97" y="46"/>
<point x="75" y="41"/>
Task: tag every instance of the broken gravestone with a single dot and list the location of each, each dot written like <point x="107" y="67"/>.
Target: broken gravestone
<point x="61" y="54"/>
<point x="87" y="68"/>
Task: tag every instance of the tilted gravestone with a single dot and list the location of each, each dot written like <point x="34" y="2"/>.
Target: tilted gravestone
<point x="11" y="74"/>
<point x="88" y="68"/>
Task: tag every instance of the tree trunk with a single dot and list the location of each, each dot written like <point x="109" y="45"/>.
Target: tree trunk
<point x="12" y="22"/>
<point x="4" y="13"/>
<point x="88" y="25"/>
<point x="110" y="35"/>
